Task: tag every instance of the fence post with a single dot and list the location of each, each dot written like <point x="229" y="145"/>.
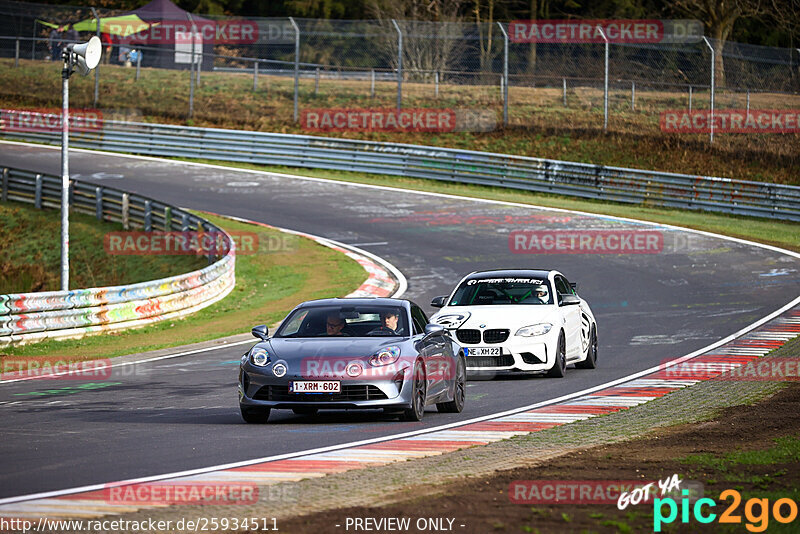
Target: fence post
<point x="565" y="91"/>
<point x="296" y="67"/>
<point x="713" y="67"/>
<point x="436" y="84"/>
<point x="16" y="53"/>
<point x="372" y="83"/>
<point x="605" y="81"/>
<point x="37" y="198"/>
<point x="5" y="185"/>
<point x="148" y="216"/>
<point x="98" y="203"/>
<point x="97" y="68"/>
<point x="690" y="99"/>
<point x="255" y="75"/>
<point x="126" y="203"/>
<point x="138" y="64"/>
<point x="633" y="96"/>
<point x="505" y="73"/>
<point x="316" y="83"/>
<point x="748" y="102"/>
<point x="168" y="218"/>
<point x="399" y="65"/>
<point x="191" y="68"/>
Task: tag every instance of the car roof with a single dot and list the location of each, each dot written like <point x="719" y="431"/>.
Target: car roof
<point x="509" y="273"/>
<point x="360" y="301"/>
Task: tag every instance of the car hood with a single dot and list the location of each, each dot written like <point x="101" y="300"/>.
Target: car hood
<point x="511" y="317"/>
<point x="330" y="347"/>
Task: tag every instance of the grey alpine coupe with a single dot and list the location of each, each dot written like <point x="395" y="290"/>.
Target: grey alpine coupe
<point x="353" y="353"/>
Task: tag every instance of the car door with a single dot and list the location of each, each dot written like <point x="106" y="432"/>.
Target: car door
<point x="571" y="318"/>
<point x="435" y="357"/>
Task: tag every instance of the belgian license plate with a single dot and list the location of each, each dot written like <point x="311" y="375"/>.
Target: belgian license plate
<point x="485" y="351"/>
<point x="316" y="386"/>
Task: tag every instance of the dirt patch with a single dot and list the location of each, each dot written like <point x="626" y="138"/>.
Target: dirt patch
<point x="751" y="448"/>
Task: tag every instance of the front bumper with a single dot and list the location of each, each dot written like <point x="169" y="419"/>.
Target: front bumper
<point x="519" y="355"/>
<point x="259" y="387"/>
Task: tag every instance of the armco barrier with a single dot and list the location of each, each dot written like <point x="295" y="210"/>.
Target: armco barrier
<point x="29" y="317"/>
<point x="463" y="166"/>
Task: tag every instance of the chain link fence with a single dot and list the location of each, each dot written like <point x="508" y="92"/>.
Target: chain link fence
<point x="309" y="63"/>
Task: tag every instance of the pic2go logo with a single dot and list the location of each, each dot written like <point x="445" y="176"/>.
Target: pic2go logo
<point x="756" y="511"/>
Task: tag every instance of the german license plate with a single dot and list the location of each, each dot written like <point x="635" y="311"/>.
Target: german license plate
<point x="486" y="351"/>
<point x="316" y="386"/>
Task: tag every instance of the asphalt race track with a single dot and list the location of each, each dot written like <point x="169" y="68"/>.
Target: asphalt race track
<point x="182" y="413"/>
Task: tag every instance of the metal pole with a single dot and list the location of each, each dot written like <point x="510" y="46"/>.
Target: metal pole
<point x="565" y="91"/>
<point x="65" y="173"/>
<point x="372" y="83"/>
<point x="97" y="69"/>
<point x="255" y="75"/>
<point x="505" y="74"/>
<point x="191" y="69"/>
<point x="713" y="67"/>
<point x="16" y="53"/>
<point x="399" y="65"/>
<point x="138" y="64"/>
<point x="690" y="99"/>
<point x="436" y="83"/>
<point x="748" y="102"/>
<point x="296" y="68"/>
<point x="633" y="96"/>
<point x="316" y="83"/>
<point x="605" y="82"/>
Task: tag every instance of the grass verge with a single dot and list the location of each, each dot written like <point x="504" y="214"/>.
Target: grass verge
<point x="268" y="285"/>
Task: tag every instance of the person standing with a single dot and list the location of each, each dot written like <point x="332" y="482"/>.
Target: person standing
<point x="54" y="44"/>
<point x="71" y="35"/>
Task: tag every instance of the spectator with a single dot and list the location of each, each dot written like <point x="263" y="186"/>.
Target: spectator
<point x="108" y="46"/>
<point x="71" y="35"/>
<point x="54" y="44"/>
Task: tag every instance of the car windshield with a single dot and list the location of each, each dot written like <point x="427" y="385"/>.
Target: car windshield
<point x="345" y="321"/>
<point x="505" y="290"/>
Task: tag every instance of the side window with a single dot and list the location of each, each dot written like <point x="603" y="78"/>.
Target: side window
<point x="562" y="286"/>
<point x="419" y="320"/>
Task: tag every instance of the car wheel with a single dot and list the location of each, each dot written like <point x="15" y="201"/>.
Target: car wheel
<point x="305" y="411"/>
<point x="459" y="394"/>
<point x="418" y="396"/>
<point x="559" y="368"/>
<point x="257" y="416"/>
<point x="591" y="354"/>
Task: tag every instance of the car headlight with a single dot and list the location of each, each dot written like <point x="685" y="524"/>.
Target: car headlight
<point x="534" y="330"/>
<point x="385" y="356"/>
<point x="259" y="357"/>
<point x="451" y="320"/>
<point x="279" y="369"/>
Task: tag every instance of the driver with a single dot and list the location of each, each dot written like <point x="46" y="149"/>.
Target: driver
<point x="389" y="321"/>
<point x="334" y="325"/>
<point x="541" y="293"/>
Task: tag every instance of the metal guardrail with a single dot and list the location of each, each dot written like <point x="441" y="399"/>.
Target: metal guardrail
<point x="463" y="166"/>
<point x="28" y="317"/>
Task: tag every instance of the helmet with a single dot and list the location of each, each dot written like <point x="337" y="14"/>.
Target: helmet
<point x="541" y="291"/>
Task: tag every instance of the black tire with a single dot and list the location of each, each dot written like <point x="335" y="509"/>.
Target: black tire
<point x="559" y="368"/>
<point x="305" y="410"/>
<point x="459" y="395"/>
<point x="418" y="395"/>
<point x="255" y="416"/>
<point x="591" y="358"/>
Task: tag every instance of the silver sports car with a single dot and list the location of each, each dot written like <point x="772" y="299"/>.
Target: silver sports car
<point x="353" y="353"/>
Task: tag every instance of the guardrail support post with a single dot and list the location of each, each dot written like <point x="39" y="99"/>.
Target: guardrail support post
<point x="5" y="185"/>
<point x="168" y="219"/>
<point x="37" y="198"/>
<point x="126" y="210"/>
<point x="184" y="222"/>
<point x="148" y="216"/>
<point x="713" y="68"/>
<point x="296" y="68"/>
<point x="98" y="203"/>
<point x="16" y="53"/>
<point x="399" y="65"/>
<point x="505" y="73"/>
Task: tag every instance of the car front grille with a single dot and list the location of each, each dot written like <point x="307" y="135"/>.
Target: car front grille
<point x="348" y="393"/>
<point x="469" y="336"/>
<point x="495" y="336"/>
<point x="490" y="361"/>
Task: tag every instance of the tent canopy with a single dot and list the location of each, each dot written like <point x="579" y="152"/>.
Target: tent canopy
<point x="123" y="26"/>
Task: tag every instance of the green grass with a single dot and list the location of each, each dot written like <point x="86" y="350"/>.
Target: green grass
<point x="778" y="233"/>
<point x="268" y="285"/>
<point x="786" y="450"/>
<point x="30" y="239"/>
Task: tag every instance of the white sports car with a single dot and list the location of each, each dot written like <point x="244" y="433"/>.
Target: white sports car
<point x="520" y="321"/>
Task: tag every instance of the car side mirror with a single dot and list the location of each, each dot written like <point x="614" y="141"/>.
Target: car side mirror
<point x="574" y="286"/>
<point x="439" y="302"/>
<point x="568" y="300"/>
<point x="433" y="329"/>
<point x="261" y="331"/>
